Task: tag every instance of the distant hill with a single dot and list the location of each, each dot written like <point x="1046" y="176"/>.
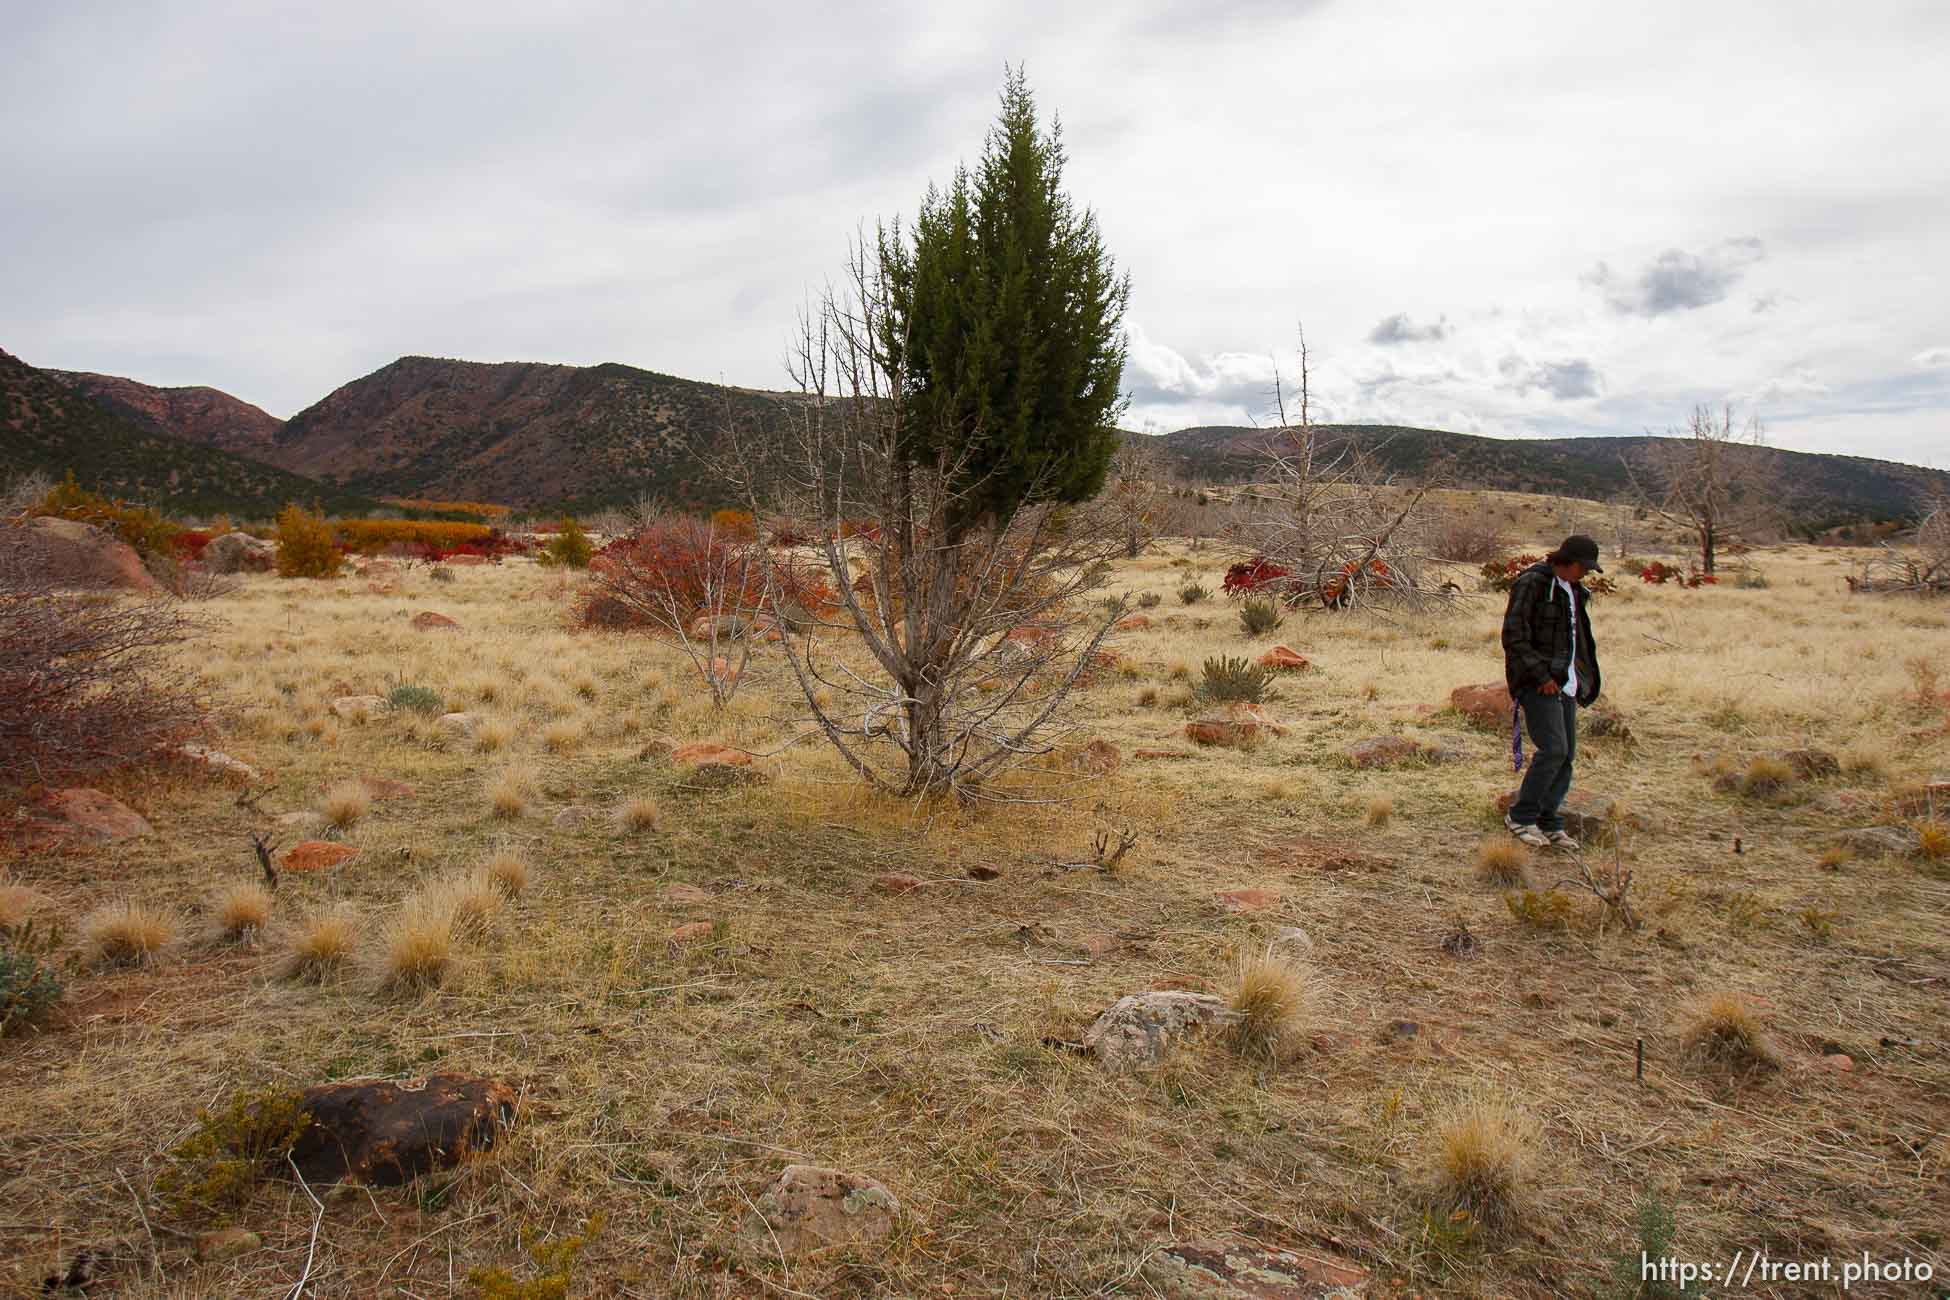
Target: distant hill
<point x="48" y="426"/>
<point x="206" y="415"/>
<point x="1819" y="487"/>
<point x="525" y="433"/>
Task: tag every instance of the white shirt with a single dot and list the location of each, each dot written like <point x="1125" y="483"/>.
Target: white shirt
<point x="1571" y="679"/>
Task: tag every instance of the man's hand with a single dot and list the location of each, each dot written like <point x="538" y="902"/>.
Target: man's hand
<point x="1548" y="688"/>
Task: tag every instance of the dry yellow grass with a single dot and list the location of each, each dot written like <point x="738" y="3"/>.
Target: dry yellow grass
<point x="1502" y="861"/>
<point x="1271" y="994"/>
<point x="242" y="910"/>
<point x="418" y="944"/>
<point x="1485" y="1150"/>
<point x="19" y="903"/>
<point x="493" y="735"/>
<point x="127" y="933"/>
<point x="1724" y="1031"/>
<point x="563" y="735"/>
<point x="346" y="803"/>
<point x="901" y="1034"/>
<point x="473" y="898"/>
<point x="323" y="943"/>
<point x="1381" y="809"/>
<point x="509" y="794"/>
<point x="509" y="872"/>
<point x="637" y="814"/>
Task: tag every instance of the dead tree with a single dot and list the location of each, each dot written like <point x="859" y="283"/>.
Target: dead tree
<point x="1717" y="482"/>
<point x="943" y="651"/>
<point x="1135" y="491"/>
<point x="1329" y="527"/>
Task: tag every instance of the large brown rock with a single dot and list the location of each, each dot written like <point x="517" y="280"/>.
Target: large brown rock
<point x="384" y="1133"/>
<point x="428" y="621"/>
<point x="1240" y="1270"/>
<point x="1135" y="1032"/>
<point x="1487" y="705"/>
<point x="77" y="554"/>
<point x="239" y="553"/>
<point x="1284" y="658"/>
<point x="92" y="814"/>
<point x="810" y="1208"/>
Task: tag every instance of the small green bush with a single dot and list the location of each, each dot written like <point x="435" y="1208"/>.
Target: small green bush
<point x="441" y="573"/>
<point x="417" y="699"/>
<point x="1192" y="593"/>
<point x="211" y="1172"/>
<point x="28" y="989"/>
<point x="1149" y="600"/>
<point x="1231" y="680"/>
<point x="1259" y="616"/>
<point x="569" y="548"/>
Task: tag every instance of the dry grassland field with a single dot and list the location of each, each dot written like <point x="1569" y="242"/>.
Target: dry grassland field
<point x="691" y="989"/>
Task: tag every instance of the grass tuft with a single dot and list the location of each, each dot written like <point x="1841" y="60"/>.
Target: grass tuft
<point x="509" y="872"/>
<point x="493" y="735"/>
<point x="1501" y="861"/>
<point x="1725" y="1032"/>
<point x="1765" y="776"/>
<point x="1271" y="996"/>
<point x="1484" y="1153"/>
<point x="509" y="794"/>
<point x="419" y="942"/>
<point x="1381" y="808"/>
<point x="637" y="815"/>
<point x="126" y="933"/>
<point x="18" y="903"/>
<point x="243" y="910"/>
<point x="322" y="944"/>
<point x="346" y="803"/>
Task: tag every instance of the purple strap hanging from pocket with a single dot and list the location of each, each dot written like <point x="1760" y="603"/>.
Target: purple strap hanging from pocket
<point x="1516" y="737"/>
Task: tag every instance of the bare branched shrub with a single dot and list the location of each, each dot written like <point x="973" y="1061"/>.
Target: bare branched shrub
<point x="1720" y="483"/>
<point x="1328" y="525"/>
<point x="1466" y="537"/>
<point x="84" y="680"/>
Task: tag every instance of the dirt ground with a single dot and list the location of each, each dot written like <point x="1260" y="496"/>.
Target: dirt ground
<point x="921" y="1038"/>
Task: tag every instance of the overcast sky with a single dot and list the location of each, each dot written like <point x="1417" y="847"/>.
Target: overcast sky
<point x="1509" y="218"/>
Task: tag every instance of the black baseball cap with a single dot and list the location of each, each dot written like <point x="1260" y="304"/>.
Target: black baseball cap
<point x="1577" y="548"/>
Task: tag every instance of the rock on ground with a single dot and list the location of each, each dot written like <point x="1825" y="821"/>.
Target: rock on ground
<point x="384" y="1133"/>
<point x="94" y="814"/>
<point x="79" y="554"/>
<point x="226" y="1243"/>
<point x="316" y="855"/>
<point x="1239" y="1270"/>
<point x="1284" y="658"/>
<point x="709" y="751"/>
<point x="217" y="761"/>
<point x="1394" y="751"/>
<point x="809" y="1208"/>
<point x="458" y="724"/>
<point x="1485" y="705"/>
<point x="239" y="553"/>
<point x="1135" y="1032"/>
<point x="357" y="708"/>
<point x="428" y="621"/>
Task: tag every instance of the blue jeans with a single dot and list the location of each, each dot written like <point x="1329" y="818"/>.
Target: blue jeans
<point x="1553" y="724"/>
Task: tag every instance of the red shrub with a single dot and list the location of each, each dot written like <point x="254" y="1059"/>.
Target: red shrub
<point x="1500" y="575"/>
<point x="1248" y="575"/>
<point x="669" y="572"/>
<point x="189" y="543"/>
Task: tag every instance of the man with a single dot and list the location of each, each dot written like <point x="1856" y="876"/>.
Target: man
<point x="1550" y="664"/>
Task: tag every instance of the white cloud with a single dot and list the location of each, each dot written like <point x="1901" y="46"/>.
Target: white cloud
<point x="1933" y="358"/>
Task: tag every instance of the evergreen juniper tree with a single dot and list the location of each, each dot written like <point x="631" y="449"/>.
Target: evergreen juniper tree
<point x="1005" y="320"/>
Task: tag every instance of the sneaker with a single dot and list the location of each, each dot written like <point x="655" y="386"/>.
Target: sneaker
<point x="1529" y="834"/>
<point x="1562" y="839"/>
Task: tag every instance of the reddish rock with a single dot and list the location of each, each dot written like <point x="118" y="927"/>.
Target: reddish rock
<point x="979" y="872"/>
<point x="317" y="855"/>
<point x="79" y="554"/>
<point x="1284" y="659"/>
<point x="1839" y="1062"/>
<point x="1160" y="753"/>
<point x="895" y="882"/>
<point x="693" y="932"/>
<point x="1247" y="900"/>
<point x="1131" y="623"/>
<point x="1393" y="751"/>
<point x="710" y="752"/>
<point x="685" y="895"/>
<point x="1487" y="705"/>
<point x="384" y="1134"/>
<point x="95" y="815"/>
<point x="1034" y="634"/>
<point x="428" y="621"/>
